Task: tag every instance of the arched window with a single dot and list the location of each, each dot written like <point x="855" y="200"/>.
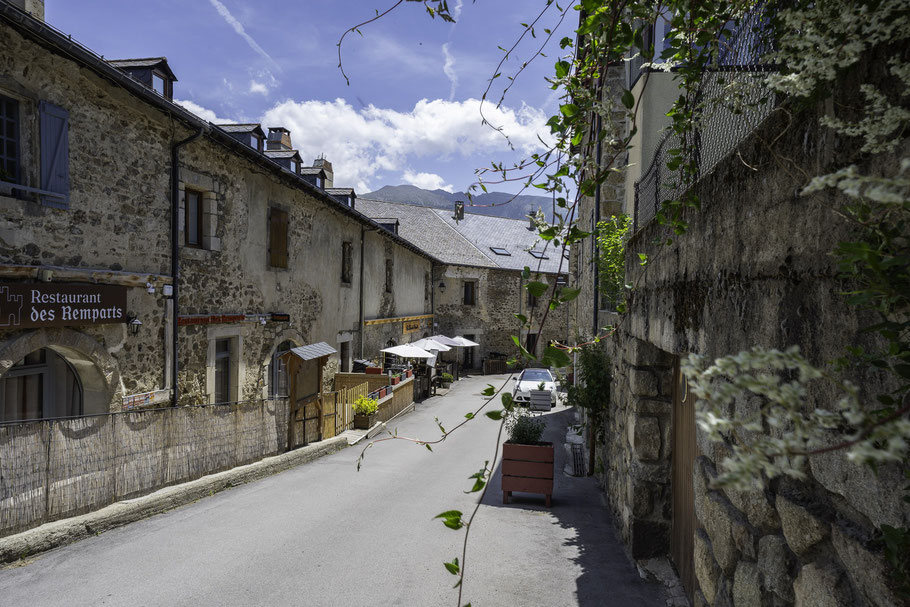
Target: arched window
<point x="278" y="372"/>
<point x="42" y="385"/>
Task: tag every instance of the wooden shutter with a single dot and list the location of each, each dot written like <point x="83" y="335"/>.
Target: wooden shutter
<point x="55" y="173"/>
<point x="278" y="238"/>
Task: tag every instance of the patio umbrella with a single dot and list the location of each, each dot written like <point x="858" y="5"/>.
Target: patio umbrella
<point x="446" y="341"/>
<point x="464" y="343"/>
<point x="428" y="343"/>
<point x="408" y="351"/>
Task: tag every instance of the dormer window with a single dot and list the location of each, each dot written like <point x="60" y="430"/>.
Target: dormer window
<point x="294" y="166"/>
<point x="256" y="142"/>
<point x="159" y="85"/>
<point x="320" y="183"/>
<point x="153" y="72"/>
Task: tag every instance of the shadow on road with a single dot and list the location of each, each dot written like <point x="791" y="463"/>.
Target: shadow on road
<point x="608" y="576"/>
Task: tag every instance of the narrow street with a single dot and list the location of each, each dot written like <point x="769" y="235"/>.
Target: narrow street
<point x="326" y="534"/>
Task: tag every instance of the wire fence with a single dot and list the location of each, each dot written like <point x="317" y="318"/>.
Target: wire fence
<point x="733" y="101"/>
<point x="53" y="469"/>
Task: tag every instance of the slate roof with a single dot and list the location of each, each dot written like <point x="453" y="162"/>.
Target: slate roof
<point x="340" y="191"/>
<point x="312" y="171"/>
<point x="468" y="241"/>
<point x="311" y="351"/>
<point x="281" y="153"/>
<point x="240" y="128"/>
<point x="485" y="231"/>
<point x="143" y="62"/>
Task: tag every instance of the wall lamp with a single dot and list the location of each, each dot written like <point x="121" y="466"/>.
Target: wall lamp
<point x="133" y="325"/>
<point x="442" y="287"/>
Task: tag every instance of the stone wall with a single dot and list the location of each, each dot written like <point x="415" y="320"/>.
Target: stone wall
<point x="754" y="269"/>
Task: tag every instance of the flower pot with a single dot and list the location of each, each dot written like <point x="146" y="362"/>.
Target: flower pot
<point x="409" y="373"/>
<point x="395" y="381"/>
<point x="364" y="422"/>
<point x="373" y="370"/>
<point x="527" y="468"/>
<point x="382" y="393"/>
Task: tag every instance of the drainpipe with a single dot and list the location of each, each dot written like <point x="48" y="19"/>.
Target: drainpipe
<point x="362" y="335"/>
<point x="596" y="219"/>
<point x="175" y="251"/>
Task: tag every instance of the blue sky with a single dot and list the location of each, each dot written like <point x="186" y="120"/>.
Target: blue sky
<point x="411" y="111"/>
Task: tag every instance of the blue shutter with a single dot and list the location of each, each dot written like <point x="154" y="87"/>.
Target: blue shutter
<point x="55" y="172"/>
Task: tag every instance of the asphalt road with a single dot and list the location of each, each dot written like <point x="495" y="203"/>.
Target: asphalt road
<point x="325" y="534"/>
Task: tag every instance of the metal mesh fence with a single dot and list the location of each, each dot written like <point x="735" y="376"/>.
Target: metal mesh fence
<point x="733" y="101"/>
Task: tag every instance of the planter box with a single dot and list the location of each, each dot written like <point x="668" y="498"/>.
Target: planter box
<point x="382" y="393"/>
<point x="409" y="373"/>
<point x="395" y="381"/>
<point x="373" y="370"/>
<point x="364" y="422"/>
<point x="541" y="400"/>
<point x="527" y="468"/>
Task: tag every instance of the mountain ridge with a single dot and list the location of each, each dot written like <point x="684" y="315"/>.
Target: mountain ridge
<point x="497" y="204"/>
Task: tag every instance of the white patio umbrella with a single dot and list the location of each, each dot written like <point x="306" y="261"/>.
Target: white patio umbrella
<point x="428" y="343"/>
<point x="464" y="343"/>
<point x="446" y="341"/>
<point x="408" y="351"/>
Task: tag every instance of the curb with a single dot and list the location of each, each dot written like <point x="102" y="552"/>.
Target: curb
<point x="60" y="533"/>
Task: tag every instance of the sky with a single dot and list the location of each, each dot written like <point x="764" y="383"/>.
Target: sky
<point x="411" y="113"/>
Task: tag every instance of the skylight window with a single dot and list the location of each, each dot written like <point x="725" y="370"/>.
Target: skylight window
<point x="500" y="251"/>
<point x="538" y="254"/>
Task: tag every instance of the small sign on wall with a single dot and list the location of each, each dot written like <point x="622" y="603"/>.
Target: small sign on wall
<point x="24" y="306"/>
<point x="411" y="326"/>
<point x="146" y="399"/>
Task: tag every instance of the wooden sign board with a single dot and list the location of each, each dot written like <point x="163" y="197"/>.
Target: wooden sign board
<point x="31" y="305"/>
<point x="411" y="326"/>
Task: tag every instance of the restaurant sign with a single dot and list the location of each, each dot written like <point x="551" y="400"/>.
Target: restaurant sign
<point x="24" y="306"/>
<point x="410" y="326"/>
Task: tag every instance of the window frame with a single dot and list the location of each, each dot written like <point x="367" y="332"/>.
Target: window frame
<point x="464" y="293"/>
<point x="16" y="140"/>
<point x="200" y="214"/>
<point x="389" y="275"/>
<point x="347" y="262"/>
<point x="278" y="219"/>
<point x="223" y="376"/>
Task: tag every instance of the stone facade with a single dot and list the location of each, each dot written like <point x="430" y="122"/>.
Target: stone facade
<point x="754" y="269"/>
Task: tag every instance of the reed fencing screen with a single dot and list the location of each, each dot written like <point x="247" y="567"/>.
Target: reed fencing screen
<point x="65" y="467"/>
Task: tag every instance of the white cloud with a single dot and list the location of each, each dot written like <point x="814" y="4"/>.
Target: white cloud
<point x="204" y="113"/>
<point x="363" y="143"/>
<point x="258" y="87"/>
<point x="238" y="27"/>
<point x="448" y="69"/>
<point x="427" y="181"/>
<point x="456" y="12"/>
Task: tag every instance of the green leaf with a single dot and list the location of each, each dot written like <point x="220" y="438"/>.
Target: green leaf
<point x="628" y="99"/>
<point x="427" y="445"/>
<point x="568" y="294"/>
<point x="451" y="519"/>
<point x="568" y="110"/>
<point x="555" y="357"/>
<point x="495" y="415"/>
<point x="469" y="416"/>
<point x="507" y="401"/>
<point x="522" y="318"/>
<point x="562" y="69"/>
<point x="537" y="289"/>
<point x="453" y="567"/>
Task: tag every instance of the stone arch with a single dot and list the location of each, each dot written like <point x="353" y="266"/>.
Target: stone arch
<point x="97" y="369"/>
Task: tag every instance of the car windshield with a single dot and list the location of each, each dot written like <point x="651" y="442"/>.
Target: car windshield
<point x="536" y="375"/>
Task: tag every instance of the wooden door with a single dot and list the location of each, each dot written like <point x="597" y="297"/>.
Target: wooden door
<point x="684" y="451"/>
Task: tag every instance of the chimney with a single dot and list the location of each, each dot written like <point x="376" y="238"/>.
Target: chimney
<point x="279" y="139"/>
<point x="326" y="166"/>
<point x="35" y="8"/>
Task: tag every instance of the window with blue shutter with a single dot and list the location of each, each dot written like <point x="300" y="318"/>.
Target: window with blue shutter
<point x="55" y="177"/>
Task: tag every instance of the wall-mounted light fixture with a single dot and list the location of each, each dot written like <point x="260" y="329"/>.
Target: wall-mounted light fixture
<point x="133" y="325"/>
<point x="442" y="287"/>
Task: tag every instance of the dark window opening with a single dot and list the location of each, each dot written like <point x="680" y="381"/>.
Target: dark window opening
<point x="470" y="293"/>
<point x="193" y="227"/>
<point x="222" y="370"/>
<point x="9" y="140"/>
<point x="347" y="262"/>
<point x="531" y="342"/>
<point x="388" y="275"/>
<point x="278" y="238"/>
<point x="500" y="251"/>
<point x="42" y="385"/>
<point x="532" y="300"/>
<point x="278" y="371"/>
<point x="538" y="254"/>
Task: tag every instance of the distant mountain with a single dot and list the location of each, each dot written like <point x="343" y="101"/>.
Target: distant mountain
<point x="519" y="207"/>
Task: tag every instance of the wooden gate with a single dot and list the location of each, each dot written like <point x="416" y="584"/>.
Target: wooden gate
<point x="684" y="451"/>
<point x="339" y="409"/>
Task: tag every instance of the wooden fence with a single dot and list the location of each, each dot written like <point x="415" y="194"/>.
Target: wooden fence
<point x="60" y="468"/>
<point x="339" y="409"/>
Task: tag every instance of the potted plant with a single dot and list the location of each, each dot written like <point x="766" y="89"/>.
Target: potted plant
<point x="396" y="379"/>
<point x="446" y="379"/>
<point x="365" y="412"/>
<point x="527" y="462"/>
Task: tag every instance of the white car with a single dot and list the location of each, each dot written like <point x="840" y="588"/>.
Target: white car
<point x="530" y="379"/>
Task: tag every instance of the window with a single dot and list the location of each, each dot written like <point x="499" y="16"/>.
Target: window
<point x="320" y="183"/>
<point x="347" y="262"/>
<point x="500" y="251"/>
<point x="223" y="371"/>
<point x="41" y="385"/>
<point x="9" y="140"/>
<point x="256" y="142"/>
<point x="427" y="286"/>
<point x="159" y="84"/>
<point x="294" y="166"/>
<point x="532" y="300"/>
<point x="388" y="275"/>
<point x="531" y="342"/>
<point x="194" y="214"/>
<point x="538" y="254"/>
<point x="470" y="293"/>
<point x="278" y="371"/>
<point x="278" y="238"/>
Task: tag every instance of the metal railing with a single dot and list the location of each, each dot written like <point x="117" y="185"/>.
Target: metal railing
<point x="733" y="101"/>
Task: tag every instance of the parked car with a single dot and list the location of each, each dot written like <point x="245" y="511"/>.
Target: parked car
<point x="530" y="379"/>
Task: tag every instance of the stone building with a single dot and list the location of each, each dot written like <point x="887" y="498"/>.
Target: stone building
<point x="754" y="269"/>
<point x="477" y="286"/>
<point x="94" y="153"/>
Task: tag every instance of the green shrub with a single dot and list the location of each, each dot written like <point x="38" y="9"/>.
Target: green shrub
<point x="364" y="405"/>
<point x="523" y="428"/>
<point x="447" y="377"/>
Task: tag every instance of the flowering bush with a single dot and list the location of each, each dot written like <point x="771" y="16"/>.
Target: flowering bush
<point x="364" y="405"/>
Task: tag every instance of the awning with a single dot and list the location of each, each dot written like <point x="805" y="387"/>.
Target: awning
<point x="312" y="351"/>
<point x="407" y="351"/>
